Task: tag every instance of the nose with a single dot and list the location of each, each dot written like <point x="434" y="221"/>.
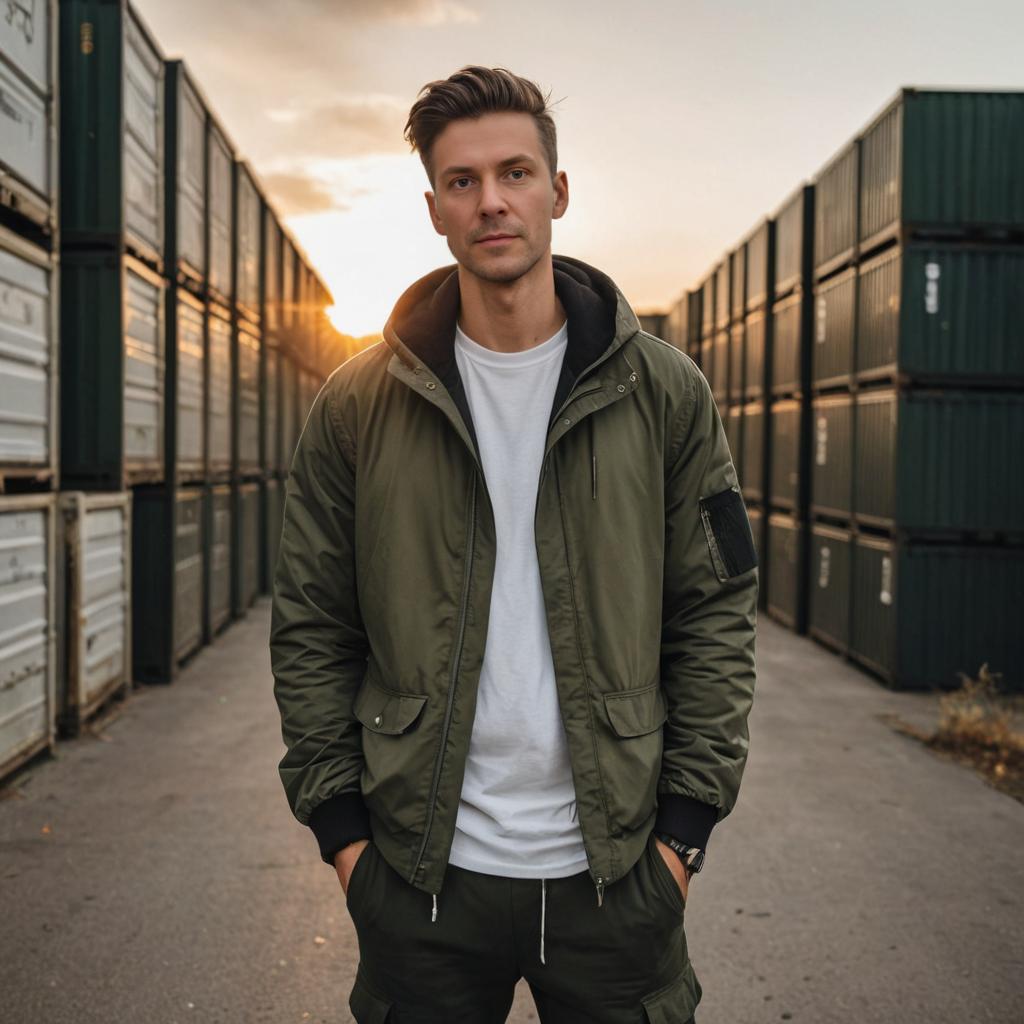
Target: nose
<point x="492" y="199"/>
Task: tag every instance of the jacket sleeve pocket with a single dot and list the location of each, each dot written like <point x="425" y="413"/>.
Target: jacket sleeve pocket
<point x="386" y="711"/>
<point x="727" y="529"/>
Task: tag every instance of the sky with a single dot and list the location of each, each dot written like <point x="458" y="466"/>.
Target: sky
<point x="680" y="124"/>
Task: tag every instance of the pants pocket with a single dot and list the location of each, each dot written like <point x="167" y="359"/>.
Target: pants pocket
<point x="664" y="873"/>
<point x="676" y="1002"/>
<point x="355" y="880"/>
<point x="367" y="1007"/>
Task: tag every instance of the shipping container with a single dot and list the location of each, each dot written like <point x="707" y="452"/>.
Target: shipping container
<point x="942" y="312"/>
<point x="756" y="344"/>
<point x="787" y="571"/>
<point x="185" y="423"/>
<point x="707" y="304"/>
<point x="247" y="548"/>
<point x="28" y="135"/>
<point x="94" y="604"/>
<point x="289" y="284"/>
<point x="832" y="461"/>
<point x="753" y="460"/>
<point x="939" y="461"/>
<point x="111" y="130"/>
<point x="289" y="410"/>
<point x="248" y="242"/>
<point x="220" y="222"/>
<point x="247" y="398"/>
<point x="693" y="323"/>
<point x="218" y="407"/>
<point x="27" y="629"/>
<point x="788" y="475"/>
<point x="794" y="242"/>
<point x="835" y="212"/>
<point x="737" y="361"/>
<point x="835" y="317"/>
<point x="944" y="163"/>
<point x="28" y="356"/>
<point x="112" y="372"/>
<point x="790" y="355"/>
<point x="218" y="531"/>
<point x="924" y="613"/>
<point x="272" y="491"/>
<point x="828" y="597"/>
<point x="167" y="580"/>
<point x="185" y="185"/>
<point x="718" y="376"/>
<point x="271" y="411"/>
<point x="272" y="320"/>
<point x="760" y="271"/>
<point x="723" y="297"/>
<point x="738" y="282"/>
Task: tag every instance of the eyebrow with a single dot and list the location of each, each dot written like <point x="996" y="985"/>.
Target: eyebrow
<point x="520" y="158"/>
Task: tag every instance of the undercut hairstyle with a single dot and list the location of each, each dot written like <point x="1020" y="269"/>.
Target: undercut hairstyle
<point x="472" y="92"/>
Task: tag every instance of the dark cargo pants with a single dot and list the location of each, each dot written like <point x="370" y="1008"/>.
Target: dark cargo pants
<point x="624" y="962"/>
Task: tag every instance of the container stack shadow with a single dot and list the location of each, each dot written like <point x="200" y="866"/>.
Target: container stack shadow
<point x="873" y="390"/>
<point x="161" y="341"/>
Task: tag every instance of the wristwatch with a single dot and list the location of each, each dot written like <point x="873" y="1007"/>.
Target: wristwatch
<point x="691" y="856"/>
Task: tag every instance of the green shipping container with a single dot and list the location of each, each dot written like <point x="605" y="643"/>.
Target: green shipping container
<point x="167" y="580"/>
<point x="790" y="344"/>
<point x="787" y="427"/>
<point x="111" y="372"/>
<point x="787" y="571"/>
<point x="737" y="361"/>
<point x="707" y="303"/>
<point x="756" y="343"/>
<point x="828" y="585"/>
<point x="923" y="613"/>
<point x="218" y="559"/>
<point x="943" y="162"/>
<point x="723" y="277"/>
<point x="760" y="266"/>
<point x="185" y="182"/>
<point x="835" y="212"/>
<point x="219" y="402"/>
<point x="738" y="282"/>
<point x="942" y="313"/>
<point x="835" y="309"/>
<point x="719" y="379"/>
<point x="753" y="461"/>
<point x="247" y="398"/>
<point x="794" y="242"/>
<point x="832" y="457"/>
<point x="185" y="421"/>
<point x="247" y="549"/>
<point x="939" y="461"/>
<point x="220" y="219"/>
<point x="111" y="130"/>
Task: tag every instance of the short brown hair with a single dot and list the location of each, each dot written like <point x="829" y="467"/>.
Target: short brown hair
<point x="471" y="92"/>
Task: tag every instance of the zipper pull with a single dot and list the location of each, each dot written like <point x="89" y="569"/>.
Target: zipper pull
<point x="600" y="891"/>
<point x="433" y="915"/>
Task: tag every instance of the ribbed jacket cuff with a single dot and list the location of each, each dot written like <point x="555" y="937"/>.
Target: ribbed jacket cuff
<point x="686" y="819"/>
<point x="338" y="821"/>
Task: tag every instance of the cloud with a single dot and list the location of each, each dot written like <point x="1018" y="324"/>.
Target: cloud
<point x="345" y="126"/>
<point x="402" y="12"/>
<point x="293" y="193"/>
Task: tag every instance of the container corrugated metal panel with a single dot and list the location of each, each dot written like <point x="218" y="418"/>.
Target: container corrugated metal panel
<point x="188" y="573"/>
<point x="828" y="598"/>
<point x="738" y="282"/>
<point x="734" y="435"/>
<point x="835" y="211"/>
<point x="942" y="313"/>
<point x="753" y="353"/>
<point x="785" y="419"/>
<point x="719" y="376"/>
<point x="249" y="210"/>
<point x="273" y="518"/>
<point x="289" y="280"/>
<point x="832" y="461"/>
<point x="737" y="361"/>
<point x="186" y="115"/>
<point x="835" y="308"/>
<point x="28" y="153"/>
<point x="272" y="411"/>
<point x="219" y="525"/>
<point x="219" y="219"/>
<point x="787" y="571"/>
<point x="191" y="361"/>
<point x="939" y="461"/>
<point x="27" y="633"/>
<point x="759" y="266"/>
<point x="723" y="304"/>
<point x="271" y="274"/>
<point x="112" y="131"/>
<point x="924" y="613"/>
<point x="248" y="549"/>
<point x="289" y="411"/>
<point x="28" y="335"/>
<point x="218" y="423"/>
<point x="943" y="160"/>
<point x="707" y="303"/>
<point x="753" y="452"/>
<point x="794" y="239"/>
<point x="248" y="398"/>
<point x="694" y="301"/>
<point x="95" y="608"/>
<point x="112" y="372"/>
<point x="788" y="341"/>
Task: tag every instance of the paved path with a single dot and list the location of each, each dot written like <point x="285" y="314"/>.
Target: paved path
<point x="153" y="872"/>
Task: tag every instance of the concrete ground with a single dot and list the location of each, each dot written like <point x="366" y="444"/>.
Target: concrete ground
<point x="152" y="871"/>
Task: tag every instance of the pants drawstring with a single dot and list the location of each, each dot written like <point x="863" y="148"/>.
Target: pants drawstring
<point x="433" y="916"/>
<point x="543" y="907"/>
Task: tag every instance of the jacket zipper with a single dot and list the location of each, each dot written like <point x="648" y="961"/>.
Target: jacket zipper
<point x="470" y="546"/>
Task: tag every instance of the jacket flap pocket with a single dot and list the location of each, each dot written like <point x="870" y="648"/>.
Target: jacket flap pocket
<point x="366" y="1006"/>
<point x="387" y="711"/>
<point x="675" y="1003"/>
<point x="635" y="712"/>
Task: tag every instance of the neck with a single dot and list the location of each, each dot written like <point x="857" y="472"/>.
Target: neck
<point x="513" y="316"/>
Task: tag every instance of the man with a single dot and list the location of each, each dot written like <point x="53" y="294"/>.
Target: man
<point x="514" y="611"/>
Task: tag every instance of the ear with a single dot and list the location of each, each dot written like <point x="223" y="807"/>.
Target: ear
<point x="561" y="186"/>
<point x="435" y="217"/>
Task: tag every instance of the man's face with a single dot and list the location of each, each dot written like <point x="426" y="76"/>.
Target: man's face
<point x="494" y="195"/>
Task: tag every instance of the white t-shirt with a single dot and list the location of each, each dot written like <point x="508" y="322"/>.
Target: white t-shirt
<point x="517" y="812"/>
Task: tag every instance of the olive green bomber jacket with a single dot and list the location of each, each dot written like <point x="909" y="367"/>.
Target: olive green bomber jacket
<point x="382" y="584"/>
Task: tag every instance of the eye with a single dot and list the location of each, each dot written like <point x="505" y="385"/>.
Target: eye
<point x="456" y="182"/>
<point x="518" y="170"/>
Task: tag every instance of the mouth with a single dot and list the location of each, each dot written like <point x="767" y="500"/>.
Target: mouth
<point x="496" y="239"/>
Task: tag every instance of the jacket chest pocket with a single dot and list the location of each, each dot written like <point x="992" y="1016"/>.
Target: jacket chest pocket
<point x="397" y="751"/>
<point x="631" y="756"/>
